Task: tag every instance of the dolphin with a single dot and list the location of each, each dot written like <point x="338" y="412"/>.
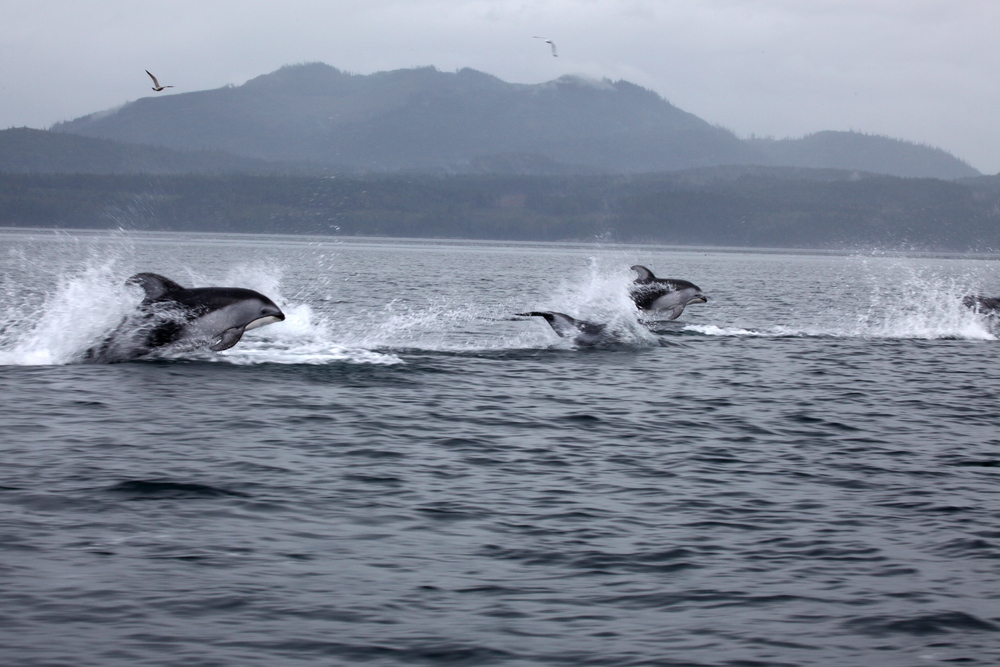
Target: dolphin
<point x="175" y="316"/>
<point x="984" y="305"/>
<point x="988" y="307"/>
<point x="663" y="294"/>
<point x="582" y="332"/>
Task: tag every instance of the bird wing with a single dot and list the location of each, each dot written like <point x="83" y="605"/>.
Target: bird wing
<point x="155" y="82"/>
<point x="549" y="42"/>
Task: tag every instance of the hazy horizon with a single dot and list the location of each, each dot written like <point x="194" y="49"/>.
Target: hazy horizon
<point x="918" y="71"/>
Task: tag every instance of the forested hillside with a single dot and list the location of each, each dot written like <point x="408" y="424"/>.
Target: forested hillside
<point x="726" y="207"/>
<point x="470" y="121"/>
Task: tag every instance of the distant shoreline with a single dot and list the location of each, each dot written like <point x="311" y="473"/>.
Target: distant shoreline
<point x="717" y="208"/>
<point x="313" y="239"/>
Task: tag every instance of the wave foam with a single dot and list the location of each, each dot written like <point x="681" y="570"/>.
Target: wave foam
<point x="81" y="310"/>
<point x="713" y="330"/>
<point x="303" y="338"/>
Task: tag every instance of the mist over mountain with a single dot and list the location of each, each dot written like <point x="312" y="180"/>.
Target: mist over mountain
<point x="423" y="153"/>
<point x="469" y="121"/>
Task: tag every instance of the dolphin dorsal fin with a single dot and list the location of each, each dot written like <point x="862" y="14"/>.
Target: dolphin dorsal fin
<point x="154" y="285"/>
<point x="645" y="275"/>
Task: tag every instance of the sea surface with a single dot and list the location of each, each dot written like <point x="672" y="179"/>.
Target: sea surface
<point x="803" y="471"/>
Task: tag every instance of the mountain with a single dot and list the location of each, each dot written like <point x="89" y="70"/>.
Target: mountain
<point x="422" y="119"/>
<point x="468" y="121"/>
<point x="24" y="150"/>
<point x="863" y="152"/>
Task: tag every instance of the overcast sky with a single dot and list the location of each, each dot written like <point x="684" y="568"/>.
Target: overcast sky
<point x="922" y="70"/>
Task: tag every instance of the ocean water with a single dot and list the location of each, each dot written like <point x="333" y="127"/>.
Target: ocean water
<point x="803" y="471"/>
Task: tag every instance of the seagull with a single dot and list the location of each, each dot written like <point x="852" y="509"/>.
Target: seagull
<point x="156" y="84"/>
<point x="547" y="41"/>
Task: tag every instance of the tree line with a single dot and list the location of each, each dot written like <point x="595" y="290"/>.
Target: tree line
<point x="754" y="207"/>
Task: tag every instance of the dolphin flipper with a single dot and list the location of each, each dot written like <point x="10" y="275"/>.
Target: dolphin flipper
<point x="675" y="312"/>
<point x="229" y="338"/>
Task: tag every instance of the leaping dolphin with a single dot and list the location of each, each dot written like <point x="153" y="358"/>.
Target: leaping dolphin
<point x="663" y="294"/>
<point x="171" y="315"/>
<point x="988" y="307"/>
<point x="582" y="332"/>
<point x="983" y="305"/>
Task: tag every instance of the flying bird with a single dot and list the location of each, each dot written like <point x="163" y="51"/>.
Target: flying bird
<point x="156" y="84"/>
<point x="547" y="41"/>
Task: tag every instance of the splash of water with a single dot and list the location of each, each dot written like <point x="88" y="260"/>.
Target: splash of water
<point x="713" y="330"/>
<point x="60" y="325"/>
<point x="919" y="304"/>
<point x="62" y="309"/>
<point x="601" y="295"/>
<point x="881" y="298"/>
<point x="73" y="317"/>
<point x="303" y="338"/>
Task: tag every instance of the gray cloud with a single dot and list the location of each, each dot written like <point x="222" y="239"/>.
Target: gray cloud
<point x="922" y="70"/>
